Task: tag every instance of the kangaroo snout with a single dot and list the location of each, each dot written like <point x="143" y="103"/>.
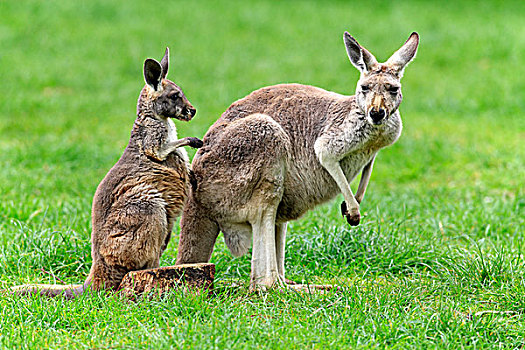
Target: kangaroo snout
<point x="377" y="115"/>
<point x="187" y="113"/>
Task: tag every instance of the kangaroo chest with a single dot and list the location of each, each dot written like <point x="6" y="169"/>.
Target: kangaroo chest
<point x="170" y="180"/>
<point x="353" y="163"/>
<point x="181" y="153"/>
<point x="172" y="131"/>
<point x="308" y="178"/>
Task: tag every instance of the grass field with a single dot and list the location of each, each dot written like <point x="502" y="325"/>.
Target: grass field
<point x="437" y="262"/>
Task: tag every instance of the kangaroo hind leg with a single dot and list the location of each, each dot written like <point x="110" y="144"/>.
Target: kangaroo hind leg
<point x="136" y="234"/>
<point x="265" y="272"/>
<point x="280" y="245"/>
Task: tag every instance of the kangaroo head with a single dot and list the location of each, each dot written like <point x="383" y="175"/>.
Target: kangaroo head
<point x="378" y="90"/>
<point x="161" y="97"/>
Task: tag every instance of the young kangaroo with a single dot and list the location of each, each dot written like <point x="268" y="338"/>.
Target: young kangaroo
<point x="283" y="150"/>
<point x="137" y="202"/>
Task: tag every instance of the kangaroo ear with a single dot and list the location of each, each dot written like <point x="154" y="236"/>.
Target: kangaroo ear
<point x="165" y="62"/>
<point x="405" y="54"/>
<point x="152" y="73"/>
<point x="360" y="57"/>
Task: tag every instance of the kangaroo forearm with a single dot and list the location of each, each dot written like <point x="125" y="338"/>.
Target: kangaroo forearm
<point x="349" y="208"/>
<point x="172" y="146"/>
<point x="334" y="169"/>
<point x="365" y="179"/>
<point x="329" y="156"/>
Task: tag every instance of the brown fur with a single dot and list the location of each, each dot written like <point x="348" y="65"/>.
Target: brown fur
<point x="136" y="203"/>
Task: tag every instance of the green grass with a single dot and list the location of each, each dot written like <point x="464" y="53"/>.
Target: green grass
<point x="438" y="260"/>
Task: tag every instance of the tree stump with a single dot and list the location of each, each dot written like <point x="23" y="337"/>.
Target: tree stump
<point x="198" y="277"/>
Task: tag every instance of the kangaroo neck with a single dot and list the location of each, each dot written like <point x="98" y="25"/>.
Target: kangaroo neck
<point x="143" y="122"/>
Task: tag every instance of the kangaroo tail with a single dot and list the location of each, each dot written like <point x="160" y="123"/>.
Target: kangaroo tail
<point x="70" y="291"/>
<point x="198" y="235"/>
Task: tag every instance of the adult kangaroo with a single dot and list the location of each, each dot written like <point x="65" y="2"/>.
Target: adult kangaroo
<point x="137" y="202"/>
<point x="283" y="150"/>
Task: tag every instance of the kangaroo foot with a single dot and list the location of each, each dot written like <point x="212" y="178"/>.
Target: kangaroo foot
<point x="263" y="284"/>
<point x="313" y="288"/>
<point x="289" y="282"/>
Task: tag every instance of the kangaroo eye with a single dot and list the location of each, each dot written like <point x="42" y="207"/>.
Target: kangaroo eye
<point x="365" y="88"/>
<point x="174" y="94"/>
<point x="393" y="89"/>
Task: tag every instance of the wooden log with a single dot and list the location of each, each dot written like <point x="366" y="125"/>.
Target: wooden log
<point x="160" y="280"/>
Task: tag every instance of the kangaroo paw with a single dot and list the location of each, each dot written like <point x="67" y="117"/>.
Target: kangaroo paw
<point x="352" y="218"/>
<point x="195" y="142"/>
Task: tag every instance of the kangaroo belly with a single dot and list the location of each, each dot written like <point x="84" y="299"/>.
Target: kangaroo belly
<point x="305" y="188"/>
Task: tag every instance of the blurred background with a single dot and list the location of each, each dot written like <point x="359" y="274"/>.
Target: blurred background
<point x="72" y="71"/>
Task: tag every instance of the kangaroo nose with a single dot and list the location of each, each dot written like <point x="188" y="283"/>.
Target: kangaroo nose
<point x="377" y="115"/>
<point x="191" y="111"/>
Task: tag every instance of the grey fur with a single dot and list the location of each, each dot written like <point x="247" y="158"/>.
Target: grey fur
<point x="283" y="150"/>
